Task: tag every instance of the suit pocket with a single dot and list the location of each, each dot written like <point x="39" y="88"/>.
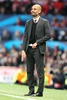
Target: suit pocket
<point x="42" y="48"/>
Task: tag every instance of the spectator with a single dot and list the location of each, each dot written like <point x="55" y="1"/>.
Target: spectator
<point x="19" y="22"/>
<point x="6" y="36"/>
<point x="2" y="48"/>
<point x="2" y="10"/>
<point x="23" y="9"/>
<point x="17" y="35"/>
<point x="15" y="8"/>
<point x="7" y="5"/>
<point x="59" y="4"/>
<point x="59" y="79"/>
<point x="65" y="9"/>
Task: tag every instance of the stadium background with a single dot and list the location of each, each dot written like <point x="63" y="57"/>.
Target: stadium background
<point x="13" y="16"/>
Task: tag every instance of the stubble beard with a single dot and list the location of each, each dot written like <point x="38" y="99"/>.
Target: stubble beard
<point x="34" y="15"/>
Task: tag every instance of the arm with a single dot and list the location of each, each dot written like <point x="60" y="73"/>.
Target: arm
<point x="47" y="35"/>
<point x="25" y="37"/>
<point x="23" y="57"/>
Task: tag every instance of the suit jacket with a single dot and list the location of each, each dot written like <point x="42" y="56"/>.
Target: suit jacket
<point x="42" y="34"/>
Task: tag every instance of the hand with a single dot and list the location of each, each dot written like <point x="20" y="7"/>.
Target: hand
<point x="34" y="45"/>
<point x="23" y="57"/>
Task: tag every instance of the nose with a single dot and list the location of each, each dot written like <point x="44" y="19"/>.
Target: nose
<point x="32" y="10"/>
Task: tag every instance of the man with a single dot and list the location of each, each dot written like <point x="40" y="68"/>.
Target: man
<point x="37" y="32"/>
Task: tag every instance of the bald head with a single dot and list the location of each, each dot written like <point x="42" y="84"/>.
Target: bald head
<point x="36" y="10"/>
<point x="38" y="6"/>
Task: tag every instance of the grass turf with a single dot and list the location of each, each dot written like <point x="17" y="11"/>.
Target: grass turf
<point x="16" y="92"/>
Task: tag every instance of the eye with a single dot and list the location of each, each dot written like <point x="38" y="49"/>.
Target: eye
<point x="34" y="8"/>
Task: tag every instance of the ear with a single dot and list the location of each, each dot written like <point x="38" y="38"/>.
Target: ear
<point x="39" y="11"/>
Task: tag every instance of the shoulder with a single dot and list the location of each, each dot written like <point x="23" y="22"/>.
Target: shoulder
<point x="43" y="19"/>
<point x="28" y="21"/>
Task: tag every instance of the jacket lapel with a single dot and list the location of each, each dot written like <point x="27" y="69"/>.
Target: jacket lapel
<point x="30" y="26"/>
<point x="38" y="25"/>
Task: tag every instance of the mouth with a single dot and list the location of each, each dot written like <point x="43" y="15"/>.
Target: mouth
<point x="33" y="13"/>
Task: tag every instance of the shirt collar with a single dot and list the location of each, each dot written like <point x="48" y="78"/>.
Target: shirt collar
<point x="36" y="19"/>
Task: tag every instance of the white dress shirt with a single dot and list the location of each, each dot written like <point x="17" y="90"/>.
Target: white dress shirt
<point x="36" y="19"/>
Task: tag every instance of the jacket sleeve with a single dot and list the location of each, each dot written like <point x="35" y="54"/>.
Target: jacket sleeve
<point x="47" y="35"/>
<point x="25" y="37"/>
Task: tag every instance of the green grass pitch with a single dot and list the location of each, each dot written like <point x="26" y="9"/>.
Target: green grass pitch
<point x="16" y="92"/>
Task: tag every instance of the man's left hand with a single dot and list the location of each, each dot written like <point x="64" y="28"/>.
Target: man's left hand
<point x="34" y="45"/>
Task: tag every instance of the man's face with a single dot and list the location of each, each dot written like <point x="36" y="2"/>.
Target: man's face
<point x="35" y="11"/>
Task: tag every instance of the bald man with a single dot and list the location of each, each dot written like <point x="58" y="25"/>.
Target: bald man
<point x="37" y="32"/>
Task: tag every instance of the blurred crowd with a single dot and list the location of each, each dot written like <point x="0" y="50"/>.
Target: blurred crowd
<point x="7" y="57"/>
<point x="55" y="58"/>
<point x="57" y="9"/>
<point x="55" y="64"/>
<point x="10" y="57"/>
<point x="58" y="27"/>
<point x="23" y="6"/>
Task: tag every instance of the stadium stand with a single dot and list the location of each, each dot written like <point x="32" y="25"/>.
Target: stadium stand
<point x="14" y="14"/>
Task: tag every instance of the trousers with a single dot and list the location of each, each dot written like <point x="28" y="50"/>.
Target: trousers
<point x="35" y="57"/>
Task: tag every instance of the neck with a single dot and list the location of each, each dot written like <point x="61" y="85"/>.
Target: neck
<point x="35" y="17"/>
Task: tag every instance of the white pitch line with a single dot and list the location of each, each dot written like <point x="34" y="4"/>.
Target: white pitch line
<point x="13" y="96"/>
<point x="9" y="92"/>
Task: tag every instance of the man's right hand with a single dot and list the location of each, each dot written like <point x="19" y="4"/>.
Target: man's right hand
<point x="23" y="56"/>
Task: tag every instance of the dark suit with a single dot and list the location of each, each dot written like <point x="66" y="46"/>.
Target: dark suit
<point x="36" y="55"/>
